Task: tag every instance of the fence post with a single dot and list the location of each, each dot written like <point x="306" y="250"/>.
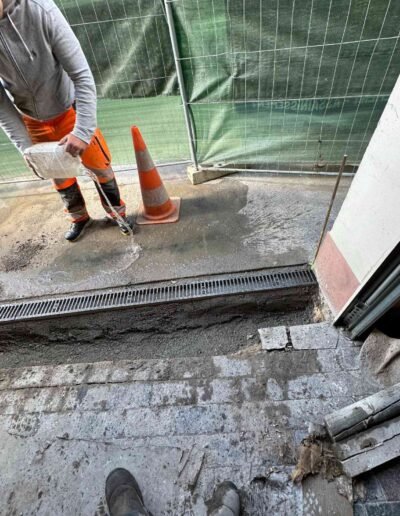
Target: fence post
<point x="181" y="82"/>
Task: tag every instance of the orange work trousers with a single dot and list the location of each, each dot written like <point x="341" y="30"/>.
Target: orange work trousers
<point x="96" y="158"/>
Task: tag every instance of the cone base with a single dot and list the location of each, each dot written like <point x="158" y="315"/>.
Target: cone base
<point x="142" y="220"/>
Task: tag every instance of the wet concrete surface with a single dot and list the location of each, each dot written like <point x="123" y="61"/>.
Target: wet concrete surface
<point x="232" y="224"/>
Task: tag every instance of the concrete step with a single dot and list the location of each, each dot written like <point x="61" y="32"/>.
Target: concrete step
<point x="180" y="425"/>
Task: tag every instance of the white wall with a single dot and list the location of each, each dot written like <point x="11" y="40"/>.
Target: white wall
<point x="368" y="225"/>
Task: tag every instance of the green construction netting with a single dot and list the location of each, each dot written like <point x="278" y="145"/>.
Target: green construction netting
<point x="287" y="83"/>
<point x="282" y="84"/>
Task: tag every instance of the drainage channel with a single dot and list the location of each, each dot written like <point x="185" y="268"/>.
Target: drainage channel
<point x="263" y="280"/>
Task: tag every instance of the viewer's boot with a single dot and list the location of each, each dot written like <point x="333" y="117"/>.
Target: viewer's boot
<point x="225" y="501"/>
<point x="123" y="494"/>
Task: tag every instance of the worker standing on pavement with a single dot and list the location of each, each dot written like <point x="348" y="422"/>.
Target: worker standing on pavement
<point x="47" y="94"/>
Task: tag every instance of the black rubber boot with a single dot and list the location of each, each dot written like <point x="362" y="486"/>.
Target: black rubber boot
<point x="123" y="494"/>
<point x="77" y="229"/>
<point x="225" y="501"/>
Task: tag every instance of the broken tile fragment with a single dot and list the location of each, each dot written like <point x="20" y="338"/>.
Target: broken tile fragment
<point x="273" y="338"/>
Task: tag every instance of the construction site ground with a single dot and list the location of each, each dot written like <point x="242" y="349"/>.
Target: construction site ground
<point x="182" y="425"/>
<point x="182" y="395"/>
<point x="232" y="224"/>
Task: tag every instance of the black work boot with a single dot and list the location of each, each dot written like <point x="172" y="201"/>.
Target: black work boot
<point x="77" y="229"/>
<point x="123" y="226"/>
<point x="225" y="501"/>
<point x="123" y="494"/>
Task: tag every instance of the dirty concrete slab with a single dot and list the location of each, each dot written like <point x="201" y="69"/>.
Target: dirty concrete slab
<point x="273" y="338"/>
<point x="180" y="426"/>
<point x="232" y="224"/>
<point x="377" y="492"/>
<point x="315" y="336"/>
<point x="322" y="497"/>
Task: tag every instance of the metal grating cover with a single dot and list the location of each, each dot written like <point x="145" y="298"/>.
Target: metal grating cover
<point x="158" y="293"/>
<point x="353" y="316"/>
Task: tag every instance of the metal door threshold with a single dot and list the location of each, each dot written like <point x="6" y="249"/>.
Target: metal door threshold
<point x="189" y="289"/>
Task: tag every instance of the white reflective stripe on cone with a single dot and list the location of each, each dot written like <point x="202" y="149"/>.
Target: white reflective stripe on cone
<point x="144" y="161"/>
<point x="156" y="197"/>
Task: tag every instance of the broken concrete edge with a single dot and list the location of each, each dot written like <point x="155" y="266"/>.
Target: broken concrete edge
<point x="202" y="175"/>
<point x="382" y="355"/>
<point x="321" y="335"/>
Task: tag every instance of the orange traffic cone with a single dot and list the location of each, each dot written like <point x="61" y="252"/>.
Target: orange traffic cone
<point x="157" y="207"/>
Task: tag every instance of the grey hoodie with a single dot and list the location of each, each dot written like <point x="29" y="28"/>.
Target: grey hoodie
<point x="43" y="69"/>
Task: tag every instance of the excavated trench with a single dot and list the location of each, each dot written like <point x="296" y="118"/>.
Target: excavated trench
<point x="189" y="328"/>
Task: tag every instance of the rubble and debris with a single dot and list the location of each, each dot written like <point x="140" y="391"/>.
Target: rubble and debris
<point x="189" y="473"/>
<point x="367" y="433"/>
<point x="316" y="456"/>
<point x="317" y="430"/>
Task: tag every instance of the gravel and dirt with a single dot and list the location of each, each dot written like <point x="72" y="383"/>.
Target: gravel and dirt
<point x="168" y="331"/>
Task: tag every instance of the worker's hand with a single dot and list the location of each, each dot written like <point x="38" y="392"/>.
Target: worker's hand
<point x="73" y="145"/>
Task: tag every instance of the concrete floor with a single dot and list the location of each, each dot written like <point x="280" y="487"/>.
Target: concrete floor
<point x="232" y="224"/>
<point x="179" y="425"/>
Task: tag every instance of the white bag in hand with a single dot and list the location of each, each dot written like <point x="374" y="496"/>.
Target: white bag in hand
<point x="49" y="160"/>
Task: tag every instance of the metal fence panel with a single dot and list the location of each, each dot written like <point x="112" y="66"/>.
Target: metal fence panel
<point x="271" y="84"/>
<point x="287" y="84"/>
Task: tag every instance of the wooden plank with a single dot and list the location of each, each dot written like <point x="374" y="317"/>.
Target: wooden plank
<point x="373" y="458"/>
<point x="369" y="440"/>
<point x="364" y="414"/>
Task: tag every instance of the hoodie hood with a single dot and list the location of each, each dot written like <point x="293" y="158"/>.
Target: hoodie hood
<point x="9" y="8"/>
<point x="8" y="5"/>
<point x="43" y="69"/>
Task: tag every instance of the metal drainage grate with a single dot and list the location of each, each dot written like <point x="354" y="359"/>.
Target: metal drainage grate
<point x="163" y="292"/>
